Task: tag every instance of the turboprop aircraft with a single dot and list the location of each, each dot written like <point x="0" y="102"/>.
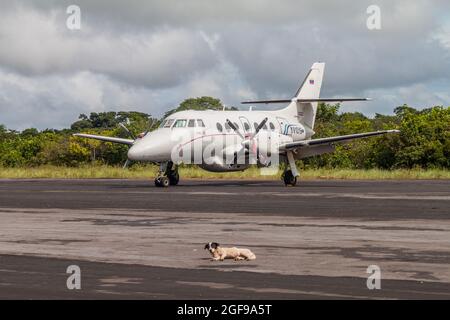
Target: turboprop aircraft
<point x="223" y="141"/>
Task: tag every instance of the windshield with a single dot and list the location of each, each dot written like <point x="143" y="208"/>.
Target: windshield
<point x="180" y="123"/>
<point x="168" y="123"/>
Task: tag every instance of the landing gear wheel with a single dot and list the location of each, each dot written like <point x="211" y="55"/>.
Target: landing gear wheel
<point x="289" y="178"/>
<point x="162" y="182"/>
<point x="174" y="178"/>
<point x="167" y="175"/>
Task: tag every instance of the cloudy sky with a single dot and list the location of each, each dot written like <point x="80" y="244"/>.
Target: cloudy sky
<point x="150" y="55"/>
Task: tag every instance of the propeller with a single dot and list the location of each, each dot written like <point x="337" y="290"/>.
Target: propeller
<point x="150" y="125"/>
<point x="125" y="165"/>
<point x="131" y="135"/>
<point x="247" y="139"/>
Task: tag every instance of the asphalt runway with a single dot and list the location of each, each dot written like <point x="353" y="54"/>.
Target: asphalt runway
<point x="315" y="240"/>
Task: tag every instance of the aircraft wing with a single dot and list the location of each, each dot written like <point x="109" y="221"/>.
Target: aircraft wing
<point x="330" y="140"/>
<point x="105" y="138"/>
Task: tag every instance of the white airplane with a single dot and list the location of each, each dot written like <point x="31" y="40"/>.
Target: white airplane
<point x="222" y="141"/>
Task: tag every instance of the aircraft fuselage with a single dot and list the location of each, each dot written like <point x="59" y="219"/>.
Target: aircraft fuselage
<point x="206" y="139"/>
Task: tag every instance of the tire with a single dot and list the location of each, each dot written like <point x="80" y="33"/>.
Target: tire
<point x="289" y="178"/>
<point x="174" y="178"/>
<point x="164" y="182"/>
<point x="293" y="181"/>
<point x="157" y="182"/>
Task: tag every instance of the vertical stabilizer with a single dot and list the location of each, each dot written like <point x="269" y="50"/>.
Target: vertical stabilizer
<point x="305" y="112"/>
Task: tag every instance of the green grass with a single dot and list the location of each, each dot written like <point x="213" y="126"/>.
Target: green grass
<point x="191" y="172"/>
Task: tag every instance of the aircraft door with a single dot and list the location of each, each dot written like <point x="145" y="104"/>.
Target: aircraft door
<point x="282" y="122"/>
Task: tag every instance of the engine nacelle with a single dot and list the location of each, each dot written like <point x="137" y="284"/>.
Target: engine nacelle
<point x="216" y="164"/>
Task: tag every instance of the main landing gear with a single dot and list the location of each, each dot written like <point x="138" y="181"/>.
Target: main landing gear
<point x="288" y="178"/>
<point x="290" y="174"/>
<point x="167" y="175"/>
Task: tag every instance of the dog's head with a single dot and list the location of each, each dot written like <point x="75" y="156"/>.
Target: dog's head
<point x="211" y="246"/>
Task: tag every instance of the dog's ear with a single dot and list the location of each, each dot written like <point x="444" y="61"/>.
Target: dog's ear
<point x="206" y="246"/>
<point x="215" y="245"/>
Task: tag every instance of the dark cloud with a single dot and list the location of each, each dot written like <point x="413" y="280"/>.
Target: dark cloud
<point x="149" y="55"/>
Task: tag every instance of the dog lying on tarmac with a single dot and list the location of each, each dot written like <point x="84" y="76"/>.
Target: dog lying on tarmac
<point x="220" y="253"/>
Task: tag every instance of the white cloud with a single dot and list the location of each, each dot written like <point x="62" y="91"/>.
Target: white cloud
<point x="37" y="43"/>
<point x="151" y="55"/>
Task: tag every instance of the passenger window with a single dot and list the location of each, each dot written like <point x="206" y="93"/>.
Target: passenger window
<point x="272" y="126"/>
<point x="180" y="123"/>
<point x="168" y="123"/>
<point x="191" y="123"/>
<point x="200" y="123"/>
<point x="219" y="127"/>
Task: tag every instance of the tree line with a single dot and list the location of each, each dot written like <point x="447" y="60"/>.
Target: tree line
<point x="424" y="141"/>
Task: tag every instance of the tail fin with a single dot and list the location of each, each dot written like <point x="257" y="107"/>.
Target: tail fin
<point x="303" y="105"/>
<point x="309" y="89"/>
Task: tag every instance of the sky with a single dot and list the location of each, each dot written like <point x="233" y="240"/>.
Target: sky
<point x="151" y="55"/>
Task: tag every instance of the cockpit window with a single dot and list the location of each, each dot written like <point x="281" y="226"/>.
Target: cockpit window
<point x="161" y="125"/>
<point x="200" y="123"/>
<point x="168" y="123"/>
<point x="180" y="123"/>
<point x="191" y="123"/>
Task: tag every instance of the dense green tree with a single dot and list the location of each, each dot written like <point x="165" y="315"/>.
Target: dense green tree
<point x="424" y="140"/>
<point x="201" y="103"/>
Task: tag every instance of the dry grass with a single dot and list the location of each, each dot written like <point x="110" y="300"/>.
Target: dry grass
<point x="148" y="172"/>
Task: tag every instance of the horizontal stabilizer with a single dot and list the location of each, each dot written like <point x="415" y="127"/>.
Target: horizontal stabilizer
<point x="307" y="100"/>
<point x="104" y="138"/>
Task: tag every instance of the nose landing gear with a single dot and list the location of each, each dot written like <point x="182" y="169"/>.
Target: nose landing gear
<point x="162" y="181"/>
<point x="167" y="175"/>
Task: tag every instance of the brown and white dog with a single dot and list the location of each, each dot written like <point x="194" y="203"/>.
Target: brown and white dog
<point x="219" y="253"/>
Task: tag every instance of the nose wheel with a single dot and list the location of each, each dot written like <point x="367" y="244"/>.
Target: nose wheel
<point x="162" y="182"/>
<point x="167" y="175"/>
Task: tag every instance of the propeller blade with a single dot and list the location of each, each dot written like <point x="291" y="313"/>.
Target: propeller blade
<point x="232" y="126"/>
<point x="248" y="142"/>
<point x="126" y="163"/>
<point x="259" y="127"/>
<point x="128" y="131"/>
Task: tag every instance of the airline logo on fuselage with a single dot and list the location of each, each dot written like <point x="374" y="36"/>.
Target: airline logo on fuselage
<point x="292" y="129"/>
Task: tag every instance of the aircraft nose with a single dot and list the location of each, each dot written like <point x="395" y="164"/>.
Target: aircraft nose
<point x="135" y="153"/>
<point x="152" y="147"/>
